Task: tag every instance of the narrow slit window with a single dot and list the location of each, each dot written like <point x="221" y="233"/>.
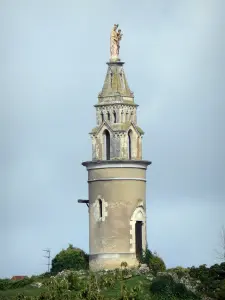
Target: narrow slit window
<point x="130" y="144"/>
<point x="100" y="207"/>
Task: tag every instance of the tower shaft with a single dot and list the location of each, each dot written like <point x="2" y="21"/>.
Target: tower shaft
<point x="116" y="176"/>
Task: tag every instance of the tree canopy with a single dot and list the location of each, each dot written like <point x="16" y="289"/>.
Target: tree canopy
<point x="70" y="259"/>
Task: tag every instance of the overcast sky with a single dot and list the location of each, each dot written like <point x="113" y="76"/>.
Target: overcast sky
<point x="52" y="58"/>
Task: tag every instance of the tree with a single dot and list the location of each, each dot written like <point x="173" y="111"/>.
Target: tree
<point x="70" y="259"/>
<point x="221" y="252"/>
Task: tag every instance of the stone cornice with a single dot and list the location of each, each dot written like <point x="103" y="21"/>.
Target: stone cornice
<point x="103" y="164"/>
<point x="115" y="104"/>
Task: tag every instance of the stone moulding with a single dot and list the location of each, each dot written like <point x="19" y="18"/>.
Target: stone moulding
<point x="103" y="164"/>
<point x="116" y="178"/>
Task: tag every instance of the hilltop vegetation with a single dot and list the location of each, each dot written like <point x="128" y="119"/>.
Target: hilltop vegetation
<point x="150" y="281"/>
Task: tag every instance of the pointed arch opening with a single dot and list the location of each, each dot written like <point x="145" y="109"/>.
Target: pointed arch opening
<point x="106" y="136"/>
<point x="108" y="115"/>
<point x="114" y="117"/>
<point x="102" y="116"/>
<point x="130" y="144"/>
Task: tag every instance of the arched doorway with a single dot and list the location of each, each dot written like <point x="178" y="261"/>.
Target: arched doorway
<point x="138" y="238"/>
<point x="138" y="231"/>
<point x="106" y="137"/>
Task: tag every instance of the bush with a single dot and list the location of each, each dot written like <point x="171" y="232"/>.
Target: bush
<point x="145" y="256"/>
<point x="180" y="271"/>
<point x="211" y="278"/>
<point x="69" y="259"/>
<point x="7" y="284"/>
<point x="166" y="286"/>
<point x="156" y="264"/>
<point x="220" y="295"/>
<point x="153" y="261"/>
<point x="162" y="285"/>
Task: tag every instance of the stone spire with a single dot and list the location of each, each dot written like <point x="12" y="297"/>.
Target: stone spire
<point x="116" y="135"/>
<point x="115" y="84"/>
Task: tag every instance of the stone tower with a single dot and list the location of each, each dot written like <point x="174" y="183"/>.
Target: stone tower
<point x="116" y="174"/>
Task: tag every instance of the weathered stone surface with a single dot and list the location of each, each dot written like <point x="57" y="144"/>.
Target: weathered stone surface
<point x="115" y="83"/>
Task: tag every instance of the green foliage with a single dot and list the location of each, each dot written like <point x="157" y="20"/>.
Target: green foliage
<point x="220" y="294"/>
<point x="153" y="261"/>
<point x="7" y="284"/>
<point x="69" y="259"/>
<point x="211" y="279"/>
<point x="116" y="285"/>
<point x="167" y="287"/>
<point x="134" y="293"/>
<point x="180" y="271"/>
<point x="146" y="256"/>
<point x="156" y="264"/>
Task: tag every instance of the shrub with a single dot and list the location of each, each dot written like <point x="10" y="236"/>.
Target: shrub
<point x="220" y="295"/>
<point x="7" y="284"/>
<point x="162" y="285"/>
<point x="69" y="259"/>
<point x="145" y="256"/>
<point x="153" y="261"/>
<point x="156" y="264"/>
<point x="167" y="287"/>
<point x="180" y="271"/>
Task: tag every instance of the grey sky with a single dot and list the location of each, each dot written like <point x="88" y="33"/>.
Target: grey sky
<point x="52" y="59"/>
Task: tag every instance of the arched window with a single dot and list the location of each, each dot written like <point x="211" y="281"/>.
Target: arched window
<point x="127" y="116"/>
<point x="114" y="116"/>
<point x="106" y="145"/>
<point x="129" y="144"/>
<point x="108" y="114"/>
<point x="102" y="116"/>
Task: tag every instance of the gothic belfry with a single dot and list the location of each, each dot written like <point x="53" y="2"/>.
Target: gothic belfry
<point x="116" y="173"/>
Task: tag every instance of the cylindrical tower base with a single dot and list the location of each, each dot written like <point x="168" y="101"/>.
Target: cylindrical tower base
<point x="117" y="212"/>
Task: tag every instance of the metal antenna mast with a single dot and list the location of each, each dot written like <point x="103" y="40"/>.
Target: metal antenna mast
<point x="48" y="257"/>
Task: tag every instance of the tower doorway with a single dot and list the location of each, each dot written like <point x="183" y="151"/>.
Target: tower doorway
<point x="138" y="238"/>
